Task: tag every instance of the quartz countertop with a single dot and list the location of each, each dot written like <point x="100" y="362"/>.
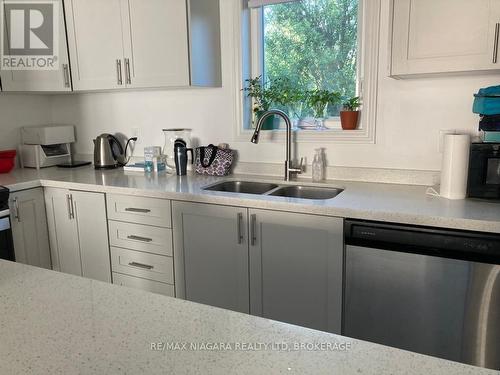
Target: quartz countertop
<point x="406" y="204"/>
<point x="54" y="323"/>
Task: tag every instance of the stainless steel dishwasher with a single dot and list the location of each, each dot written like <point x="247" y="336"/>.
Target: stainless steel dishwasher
<point x="427" y="290"/>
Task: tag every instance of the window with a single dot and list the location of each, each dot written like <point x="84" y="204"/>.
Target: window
<point x="313" y="44"/>
<point x="303" y="46"/>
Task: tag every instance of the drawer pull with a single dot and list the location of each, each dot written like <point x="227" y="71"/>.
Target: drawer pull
<point x="139" y="238"/>
<point x="119" y="72"/>
<point x="239" y="229"/>
<point x="140" y="265"/>
<point x="17" y="216"/>
<point x="253" y="229"/>
<point x="495" y="46"/>
<point x="138" y="210"/>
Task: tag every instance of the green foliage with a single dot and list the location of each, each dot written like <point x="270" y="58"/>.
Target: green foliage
<point x="255" y="90"/>
<point x="318" y="100"/>
<point x="313" y="43"/>
<point x="281" y="93"/>
<point x="276" y="91"/>
<point x="352" y="104"/>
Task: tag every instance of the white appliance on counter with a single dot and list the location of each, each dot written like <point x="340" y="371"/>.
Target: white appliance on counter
<point x="46" y="145"/>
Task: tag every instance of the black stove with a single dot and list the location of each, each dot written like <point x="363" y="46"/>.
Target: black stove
<point x="6" y="242"/>
<point x="4" y="198"/>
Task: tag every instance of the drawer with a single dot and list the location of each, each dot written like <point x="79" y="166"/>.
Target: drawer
<point x="150" y="211"/>
<point x="140" y="237"/>
<point x="148" y="266"/>
<point x="143" y="284"/>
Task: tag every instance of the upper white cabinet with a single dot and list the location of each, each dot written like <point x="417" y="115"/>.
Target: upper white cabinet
<point x="78" y="233"/>
<point x="143" y="43"/>
<point x="95" y="39"/>
<point x="156" y="43"/>
<point x="42" y="80"/>
<point x="29" y="228"/>
<point x="444" y="36"/>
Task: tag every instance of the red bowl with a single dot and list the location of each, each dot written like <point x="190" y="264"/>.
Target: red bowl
<point x="7" y="160"/>
<point x="8" y="154"/>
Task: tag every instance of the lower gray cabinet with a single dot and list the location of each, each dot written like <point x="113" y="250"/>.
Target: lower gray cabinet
<point x="78" y="233"/>
<point x="211" y="255"/>
<point x="296" y="265"/>
<point x="29" y="228"/>
<point x="279" y="265"/>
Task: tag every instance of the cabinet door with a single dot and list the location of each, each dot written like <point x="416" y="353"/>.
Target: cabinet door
<point x="156" y="43"/>
<point x="433" y="36"/>
<point x="296" y="264"/>
<point x="95" y="43"/>
<point x="29" y="228"/>
<point x="63" y="232"/>
<point x="39" y="80"/>
<point x="211" y="255"/>
<point x="90" y="215"/>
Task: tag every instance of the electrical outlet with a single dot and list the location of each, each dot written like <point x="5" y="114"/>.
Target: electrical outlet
<point x="442" y="133"/>
<point x="136" y="132"/>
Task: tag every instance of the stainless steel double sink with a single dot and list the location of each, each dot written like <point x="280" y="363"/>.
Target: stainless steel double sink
<point x="264" y="188"/>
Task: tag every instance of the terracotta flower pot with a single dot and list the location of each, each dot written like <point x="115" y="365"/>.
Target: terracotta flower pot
<point x="349" y="119"/>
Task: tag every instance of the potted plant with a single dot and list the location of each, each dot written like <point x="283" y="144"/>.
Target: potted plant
<point x="349" y="116"/>
<point x="295" y="105"/>
<point x="287" y="97"/>
<point x="318" y="100"/>
<point x="262" y="100"/>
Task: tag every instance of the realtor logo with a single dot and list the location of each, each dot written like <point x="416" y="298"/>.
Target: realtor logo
<point x="30" y="35"/>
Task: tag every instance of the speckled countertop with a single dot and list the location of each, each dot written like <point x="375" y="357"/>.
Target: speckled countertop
<point x="405" y="204"/>
<point x="53" y="323"/>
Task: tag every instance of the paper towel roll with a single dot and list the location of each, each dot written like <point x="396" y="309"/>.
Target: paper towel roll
<point x="455" y="167"/>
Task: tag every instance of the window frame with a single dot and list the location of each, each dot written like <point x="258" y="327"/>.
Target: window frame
<point x="251" y="25"/>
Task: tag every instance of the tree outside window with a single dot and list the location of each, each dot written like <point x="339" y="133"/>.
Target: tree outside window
<point x="313" y="44"/>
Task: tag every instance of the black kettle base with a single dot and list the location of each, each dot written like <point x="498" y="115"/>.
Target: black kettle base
<point x="107" y="167"/>
<point x="74" y="164"/>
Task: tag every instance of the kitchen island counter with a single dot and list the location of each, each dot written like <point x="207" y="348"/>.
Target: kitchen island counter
<point x="53" y="323"/>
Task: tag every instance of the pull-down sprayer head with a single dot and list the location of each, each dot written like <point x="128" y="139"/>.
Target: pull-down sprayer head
<point x="264" y="117"/>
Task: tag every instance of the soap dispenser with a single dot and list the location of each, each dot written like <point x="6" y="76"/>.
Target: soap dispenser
<point x="318" y="166"/>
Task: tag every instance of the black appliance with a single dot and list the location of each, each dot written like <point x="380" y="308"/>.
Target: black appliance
<point x="484" y="171"/>
<point x="6" y="242"/>
<point x="428" y="290"/>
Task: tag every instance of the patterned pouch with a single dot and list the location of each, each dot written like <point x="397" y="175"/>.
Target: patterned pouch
<point x="213" y="161"/>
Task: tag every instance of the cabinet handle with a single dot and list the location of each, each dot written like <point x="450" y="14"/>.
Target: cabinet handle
<point x="253" y="228"/>
<point x="140" y="265"/>
<point x="139" y="238"/>
<point x="127" y="71"/>
<point x="240" y="231"/>
<point x="119" y="71"/>
<point x="66" y="75"/>
<point x="17" y="215"/>
<point x="71" y="210"/>
<point x="495" y="46"/>
<point x="138" y="210"/>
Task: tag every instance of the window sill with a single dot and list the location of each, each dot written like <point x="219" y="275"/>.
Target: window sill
<point x="324" y="136"/>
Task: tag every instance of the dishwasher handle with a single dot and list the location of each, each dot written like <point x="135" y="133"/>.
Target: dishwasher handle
<point x="448" y="243"/>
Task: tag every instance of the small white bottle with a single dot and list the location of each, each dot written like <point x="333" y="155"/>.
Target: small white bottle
<point x="318" y="166"/>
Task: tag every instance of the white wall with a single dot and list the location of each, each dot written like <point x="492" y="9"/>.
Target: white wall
<point x="410" y="114"/>
<point x="21" y="110"/>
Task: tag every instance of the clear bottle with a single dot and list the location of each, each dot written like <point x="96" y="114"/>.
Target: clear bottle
<point x="318" y="166"/>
